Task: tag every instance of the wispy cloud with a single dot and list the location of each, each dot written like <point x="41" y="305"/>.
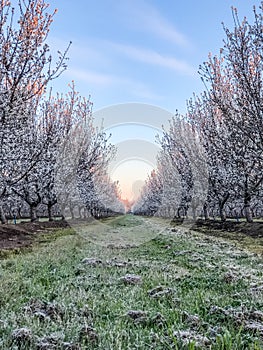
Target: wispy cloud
<point x="140" y="90"/>
<point x="134" y="88"/>
<point x="146" y="17"/>
<point x="91" y="77"/>
<point x="95" y="55"/>
<point x="154" y="58"/>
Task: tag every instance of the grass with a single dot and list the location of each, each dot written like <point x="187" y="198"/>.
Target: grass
<point x="123" y="221"/>
<point x="178" y="290"/>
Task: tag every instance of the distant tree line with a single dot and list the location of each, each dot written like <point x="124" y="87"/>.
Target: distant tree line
<point x="53" y="160"/>
<point x="211" y="158"/>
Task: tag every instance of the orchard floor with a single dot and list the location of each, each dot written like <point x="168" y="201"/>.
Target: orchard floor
<point x="130" y="283"/>
<point x="25" y="234"/>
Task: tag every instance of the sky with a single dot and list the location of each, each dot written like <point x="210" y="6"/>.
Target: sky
<point x="145" y="52"/>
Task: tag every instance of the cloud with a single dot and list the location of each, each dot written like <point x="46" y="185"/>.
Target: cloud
<point x="146" y="17"/>
<point x="95" y="55"/>
<point x="101" y="80"/>
<point x="154" y="58"/>
<point x="140" y="90"/>
<point x="90" y="77"/>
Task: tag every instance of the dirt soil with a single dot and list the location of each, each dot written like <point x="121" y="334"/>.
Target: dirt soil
<point x="254" y="229"/>
<point x="23" y="234"/>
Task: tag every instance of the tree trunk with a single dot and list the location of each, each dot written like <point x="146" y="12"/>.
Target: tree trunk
<point x="2" y="216"/>
<point x="222" y="203"/>
<point x="194" y="212"/>
<point x="33" y="213"/>
<point x="185" y="210"/>
<point x="247" y="207"/>
<point x="178" y="212"/>
<point x="19" y="215"/>
<point x="222" y="213"/>
<point x="63" y="207"/>
<point x="49" y="210"/>
<point x="205" y="209"/>
<point x="71" y="208"/>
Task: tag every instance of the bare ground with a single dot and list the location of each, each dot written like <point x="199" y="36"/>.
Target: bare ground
<point x="23" y="234"/>
<point x="254" y="229"/>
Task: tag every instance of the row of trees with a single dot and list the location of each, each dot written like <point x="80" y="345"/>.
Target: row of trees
<point x="53" y="159"/>
<point x="211" y="158"/>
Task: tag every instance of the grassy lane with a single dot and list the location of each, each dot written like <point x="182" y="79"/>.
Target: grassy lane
<point x="178" y="290"/>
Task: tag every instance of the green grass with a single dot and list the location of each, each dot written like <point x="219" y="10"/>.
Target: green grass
<point x="208" y="294"/>
<point x="123" y="221"/>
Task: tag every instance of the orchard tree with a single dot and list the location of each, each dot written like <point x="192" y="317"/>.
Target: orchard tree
<point x="150" y="198"/>
<point x="217" y="141"/>
<point x="181" y="142"/>
<point x="108" y="196"/>
<point x="92" y="167"/>
<point x="179" y="184"/>
<point x="234" y="82"/>
<point x="25" y="70"/>
<point x="82" y="152"/>
<point x="68" y="118"/>
<point x="171" y="194"/>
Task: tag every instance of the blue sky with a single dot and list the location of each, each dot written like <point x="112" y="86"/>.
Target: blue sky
<point x="139" y="51"/>
<point x="144" y="51"/>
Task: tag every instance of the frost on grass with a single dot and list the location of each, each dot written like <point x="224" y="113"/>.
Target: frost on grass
<point x="164" y="277"/>
<point x="95" y="262"/>
<point x="254" y="323"/>
<point x="158" y="320"/>
<point x="145" y="318"/>
<point x="131" y="279"/>
<point x="70" y="346"/>
<point x="254" y="327"/>
<point x="55" y="341"/>
<point x="88" y="334"/>
<point x="160" y="291"/>
<point x="256" y="289"/>
<point x="3" y="324"/>
<point x="196" y="257"/>
<point x="44" y="310"/>
<point x="118" y="263"/>
<point x="250" y="320"/>
<point x="257" y="315"/>
<point x="191" y="320"/>
<point x="188" y="336"/>
<point x="231" y="277"/>
<point x="92" y="261"/>
<point x="51" y="341"/>
<point x="237" y="272"/>
<point x="22" y="336"/>
<point x="182" y="252"/>
<point x="85" y="312"/>
<point x="137" y="316"/>
<point x="215" y="331"/>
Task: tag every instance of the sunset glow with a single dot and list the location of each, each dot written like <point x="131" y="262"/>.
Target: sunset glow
<point x="131" y="175"/>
